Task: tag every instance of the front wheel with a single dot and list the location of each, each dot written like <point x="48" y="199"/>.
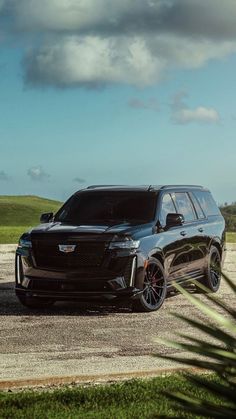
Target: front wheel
<point x="154" y="288"/>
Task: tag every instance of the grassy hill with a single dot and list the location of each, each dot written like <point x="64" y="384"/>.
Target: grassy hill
<point x="19" y="213"/>
<point x="24" y="210"/>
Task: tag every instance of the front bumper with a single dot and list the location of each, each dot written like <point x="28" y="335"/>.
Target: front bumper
<point x="81" y="284"/>
<point x="124" y="295"/>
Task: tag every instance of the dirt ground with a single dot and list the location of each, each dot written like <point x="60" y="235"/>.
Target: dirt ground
<point x="68" y="340"/>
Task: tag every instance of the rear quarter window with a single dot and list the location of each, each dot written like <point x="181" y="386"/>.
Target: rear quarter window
<point x="199" y="211"/>
<point x="207" y="203"/>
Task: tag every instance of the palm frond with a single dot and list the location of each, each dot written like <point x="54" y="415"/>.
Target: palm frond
<point x="215" y="300"/>
<point x="201" y="407"/>
<point x="209" y="330"/>
<point x="218" y="356"/>
<point x="210" y="312"/>
<point x="229" y="282"/>
<point x="225" y="391"/>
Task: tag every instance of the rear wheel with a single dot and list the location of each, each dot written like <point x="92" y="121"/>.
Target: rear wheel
<point x="212" y="277"/>
<point x="33" y="302"/>
<point x="154" y="287"/>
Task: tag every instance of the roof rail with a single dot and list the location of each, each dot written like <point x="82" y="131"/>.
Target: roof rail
<point x="101" y="186"/>
<point x="181" y="186"/>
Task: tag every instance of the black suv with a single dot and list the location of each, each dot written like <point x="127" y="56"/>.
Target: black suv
<point x="110" y="243"/>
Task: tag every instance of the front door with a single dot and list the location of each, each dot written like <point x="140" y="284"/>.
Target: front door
<point x="180" y="244"/>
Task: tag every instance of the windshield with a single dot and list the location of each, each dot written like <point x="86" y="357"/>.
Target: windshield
<point x="108" y="207"/>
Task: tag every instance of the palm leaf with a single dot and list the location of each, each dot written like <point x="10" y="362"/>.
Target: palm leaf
<point x="216" y="300"/>
<point x="202" y="364"/>
<point x="229" y="282"/>
<point x="226" y="391"/>
<point x="216" y="353"/>
<point x="202" y="407"/>
<point x="218" y="357"/>
<point x="203" y="344"/>
<point x="210" y="330"/>
<point x="210" y="312"/>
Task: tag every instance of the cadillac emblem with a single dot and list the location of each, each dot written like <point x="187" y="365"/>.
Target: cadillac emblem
<point x="67" y="248"/>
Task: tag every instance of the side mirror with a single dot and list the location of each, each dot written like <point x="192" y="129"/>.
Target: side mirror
<point x="174" y="220"/>
<point x="46" y="217"/>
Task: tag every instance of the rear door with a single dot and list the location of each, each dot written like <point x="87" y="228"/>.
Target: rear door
<point x="194" y="249"/>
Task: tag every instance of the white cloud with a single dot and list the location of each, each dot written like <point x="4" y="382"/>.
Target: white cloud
<point x="94" y="42"/>
<point x="37" y="174"/>
<point x="92" y="61"/>
<point x="200" y="114"/>
<point x="182" y="114"/>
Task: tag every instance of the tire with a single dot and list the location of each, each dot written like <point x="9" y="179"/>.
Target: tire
<point x="154" y="288"/>
<point x="212" y="276"/>
<point x="34" y="303"/>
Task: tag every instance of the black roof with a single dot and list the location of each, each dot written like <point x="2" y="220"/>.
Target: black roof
<point x="139" y="187"/>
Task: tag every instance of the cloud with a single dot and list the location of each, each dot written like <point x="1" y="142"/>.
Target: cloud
<point x="91" y="43"/>
<point x="79" y="180"/>
<point x="211" y="18"/>
<point x="200" y="114"/>
<point x="93" y="61"/>
<point x="151" y="104"/>
<point x="37" y="174"/>
<point x="182" y="114"/>
<point x="3" y="176"/>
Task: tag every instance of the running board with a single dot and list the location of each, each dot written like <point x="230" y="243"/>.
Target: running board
<point x="184" y="280"/>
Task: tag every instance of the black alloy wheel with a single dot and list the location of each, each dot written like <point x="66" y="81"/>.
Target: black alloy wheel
<point x="213" y="273"/>
<point x="154" y="287"/>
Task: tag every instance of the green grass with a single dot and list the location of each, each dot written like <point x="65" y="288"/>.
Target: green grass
<point x="11" y="235"/>
<point x="19" y="213"/>
<point x="231" y="237"/>
<point x="24" y="210"/>
<point x="132" y="399"/>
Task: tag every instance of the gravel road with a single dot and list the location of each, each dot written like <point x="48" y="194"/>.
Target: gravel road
<point x="68" y="340"/>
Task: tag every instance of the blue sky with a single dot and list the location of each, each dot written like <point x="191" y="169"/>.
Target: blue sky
<point x="164" y="118"/>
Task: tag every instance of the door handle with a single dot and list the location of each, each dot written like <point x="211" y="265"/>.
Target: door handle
<point x="201" y="230"/>
<point x="183" y="233"/>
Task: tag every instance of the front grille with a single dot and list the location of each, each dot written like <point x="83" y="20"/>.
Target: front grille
<point x="86" y="254"/>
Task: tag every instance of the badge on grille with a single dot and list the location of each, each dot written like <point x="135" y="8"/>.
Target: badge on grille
<point x="67" y="248"/>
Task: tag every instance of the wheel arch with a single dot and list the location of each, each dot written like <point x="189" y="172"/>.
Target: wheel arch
<point x="158" y="254"/>
<point x="216" y="243"/>
<point x="139" y="277"/>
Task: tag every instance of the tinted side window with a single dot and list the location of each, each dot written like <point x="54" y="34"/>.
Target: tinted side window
<point x="198" y="209"/>
<point x="207" y="202"/>
<point x="167" y="207"/>
<point x="184" y="206"/>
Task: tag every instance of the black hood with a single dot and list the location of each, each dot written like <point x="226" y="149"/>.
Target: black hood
<point x="117" y="229"/>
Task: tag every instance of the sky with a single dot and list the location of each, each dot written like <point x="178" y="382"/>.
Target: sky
<point x="117" y="92"/>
